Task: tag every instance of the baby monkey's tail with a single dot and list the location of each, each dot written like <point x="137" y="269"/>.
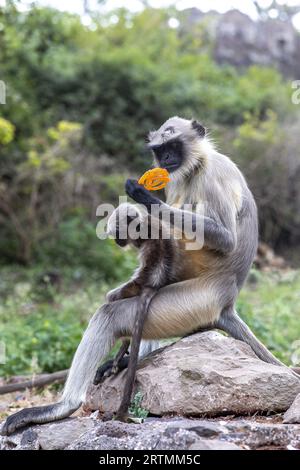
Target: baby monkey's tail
<point x="142" y="311"/>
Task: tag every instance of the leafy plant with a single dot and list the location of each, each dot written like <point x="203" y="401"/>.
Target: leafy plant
<point x="41" y="325"/>
<point x="7" y="131"/>
<point x="136" y="408"/>
<point x="82" y="99"/>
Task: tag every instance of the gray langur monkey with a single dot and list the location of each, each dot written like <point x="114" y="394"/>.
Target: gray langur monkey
<point x="159" y="266"/>
<point x="212" y="275"/>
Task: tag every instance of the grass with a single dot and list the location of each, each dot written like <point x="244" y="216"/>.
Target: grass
<point x="41" y="325"/>
<point x="270" y="304"/>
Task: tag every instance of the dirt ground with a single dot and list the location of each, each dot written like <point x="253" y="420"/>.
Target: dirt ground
<point x="12" y="402"/>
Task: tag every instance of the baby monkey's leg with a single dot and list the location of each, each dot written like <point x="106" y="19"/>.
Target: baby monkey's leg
<point x="113" y="366"/>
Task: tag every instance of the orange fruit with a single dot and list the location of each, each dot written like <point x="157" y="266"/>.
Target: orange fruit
<point x="155" y="179"/>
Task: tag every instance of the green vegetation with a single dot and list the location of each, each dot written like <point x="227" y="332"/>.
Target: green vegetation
<point x="136" y="408"/>
<point x="270" y="305"/>
<point x="80" y="101"/>
<point x="43" y="314"/>
<point x="41" y="324"/>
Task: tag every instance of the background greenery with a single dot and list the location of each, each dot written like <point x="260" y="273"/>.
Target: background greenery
<point x="80" y="101"/>
<point x="41" y="325"/>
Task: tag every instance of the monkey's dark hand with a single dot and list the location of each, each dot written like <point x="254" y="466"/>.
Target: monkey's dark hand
<point x="139" y="194"/>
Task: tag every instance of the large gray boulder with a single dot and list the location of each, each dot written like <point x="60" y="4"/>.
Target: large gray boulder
<point x="203" y="374"/>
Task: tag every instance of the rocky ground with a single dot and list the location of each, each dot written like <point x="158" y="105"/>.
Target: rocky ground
<point x="158" y="434"/>
<point x="206" y="391"/>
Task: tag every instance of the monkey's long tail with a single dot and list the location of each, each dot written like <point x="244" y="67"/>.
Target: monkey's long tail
<point x="231" y="323"/>
<point x="145" y="299"/>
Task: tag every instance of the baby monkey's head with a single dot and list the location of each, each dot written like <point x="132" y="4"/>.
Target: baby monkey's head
<point x="126" y="225"/>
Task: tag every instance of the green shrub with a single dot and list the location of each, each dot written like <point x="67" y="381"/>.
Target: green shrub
<point x="75" y="244"/>
<point x="107" y="83"/>
<point x="136" y="408"/>
<point x="267" y="150"/>
<point x="42" y="333"/>
<point x="7" y="131"/>
<point x="271" y="308"/>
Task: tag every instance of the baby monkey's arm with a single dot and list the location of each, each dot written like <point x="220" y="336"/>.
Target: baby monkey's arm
<point x="129" y="289"/>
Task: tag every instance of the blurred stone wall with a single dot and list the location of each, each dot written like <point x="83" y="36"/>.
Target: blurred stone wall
<point x="240" y="41"/>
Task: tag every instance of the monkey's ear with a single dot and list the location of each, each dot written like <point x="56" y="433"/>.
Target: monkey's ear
<point x="198" y="128"/>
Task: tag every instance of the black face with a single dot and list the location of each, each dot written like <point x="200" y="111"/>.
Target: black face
<point x="169" y="155"/>
<point x="122" y="242"/>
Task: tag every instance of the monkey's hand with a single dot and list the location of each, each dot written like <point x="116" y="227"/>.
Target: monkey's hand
<point x="139" y="194"/>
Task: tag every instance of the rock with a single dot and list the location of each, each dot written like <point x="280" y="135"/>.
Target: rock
<point x="240" y="41"/>
<point x="159" y="434"/>
<point x="267" y="259"/>
<point x="243" y="42"/>
<point x="293" y="413"/>
<point x="29" y="440"/>
<point x="61" y="434"/>
<point x="216" y="444"/>
<point x="203" y="374"/>
<point x="49" y="436"/>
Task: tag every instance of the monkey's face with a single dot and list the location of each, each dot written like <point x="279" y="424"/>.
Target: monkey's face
<point x="120" y="231"/>
<point x="124" y="225"/>
<point x="169" y="155"/>
<point x="176" y="144"/>
<point x="122" y="242"/>
<point x="123" y="234"/>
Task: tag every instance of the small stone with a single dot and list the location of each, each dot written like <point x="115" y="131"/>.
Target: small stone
<point x="63" y="433"/>
<point x="293" y="413"/>
<point x="28" y="437"/>
<point x="213" y="444"/>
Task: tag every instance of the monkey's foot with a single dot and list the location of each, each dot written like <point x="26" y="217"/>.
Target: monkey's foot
<point x="39" y="415"/>
<point x="24" y="417"/>
<point x="109" y="368"/>
<point x="15" y="422"/>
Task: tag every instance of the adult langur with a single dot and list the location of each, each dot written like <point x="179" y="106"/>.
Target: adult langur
<point x="212" y="275"/>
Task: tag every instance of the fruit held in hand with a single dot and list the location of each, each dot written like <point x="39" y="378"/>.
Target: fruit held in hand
<point x="155" y="179"/>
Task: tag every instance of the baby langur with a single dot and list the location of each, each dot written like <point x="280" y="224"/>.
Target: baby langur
<point x="158" y="267"/>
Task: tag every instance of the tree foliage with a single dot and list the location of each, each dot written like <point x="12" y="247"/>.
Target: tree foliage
<point x="115" y="80"/>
